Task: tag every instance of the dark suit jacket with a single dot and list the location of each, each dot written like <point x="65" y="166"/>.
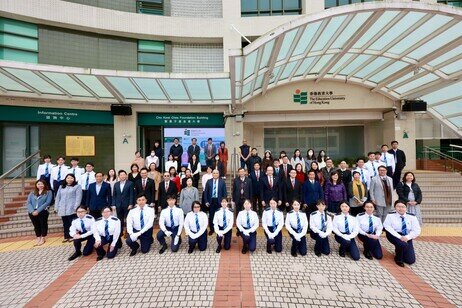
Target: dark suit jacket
<point x="221" y="191"/>
<point x="172" y="190"/>
<point x="281" y="170"/>
<point x="403" y="192"/>
<point x="96" y="202"/>
<point x="149" y="191"/>
<point x="236" y="189"/>
<point x="345" y="176"/>
<point x="125" y="198"/>
<point x="255" y="183"/>
<point x="193" y="150"/>
<point x="291" y="193"/>
<point x="311" y="193"/>
<point x="267" y="192"/>
<point x="400" y="158"/>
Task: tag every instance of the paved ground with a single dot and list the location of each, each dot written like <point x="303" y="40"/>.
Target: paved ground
<point x="42" y="277"/>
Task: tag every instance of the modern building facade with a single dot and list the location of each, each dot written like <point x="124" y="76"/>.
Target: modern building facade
<point x="282" y="74"/>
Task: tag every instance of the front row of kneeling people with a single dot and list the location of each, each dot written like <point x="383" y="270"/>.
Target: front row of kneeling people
<point x="400" y="227"/>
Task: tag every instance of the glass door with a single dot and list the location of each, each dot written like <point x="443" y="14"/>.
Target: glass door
<point x="14" y="146"/>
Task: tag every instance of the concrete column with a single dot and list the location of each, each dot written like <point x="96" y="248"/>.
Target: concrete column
<point x="233" y="135"/>
<point x="125" y="141"/>
<point x="312" y="6"/>
<point x="403" y="131"/>
<point x="231" y="39"/>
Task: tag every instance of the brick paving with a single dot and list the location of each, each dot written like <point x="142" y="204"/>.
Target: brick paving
<point x="440" y="265"/>
<point x="26" y="273"/>
<point x="150" y="280"/>
<point x="230" y="279"/>
<point x="281" y="280"/>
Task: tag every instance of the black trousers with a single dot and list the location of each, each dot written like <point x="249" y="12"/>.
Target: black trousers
<point x="96" y="214"/>
<point x="213" y="207"/>
<point x="122" y="213"/>
<point x="40" y="223"/>
<point x="67" y="222"/>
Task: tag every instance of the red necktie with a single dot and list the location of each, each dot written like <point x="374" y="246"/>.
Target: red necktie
<point x="258" y="175"/>
<point x="285" y="170"/>
<point x="166" y="186"/>
<point x="270" y="182"/>
<point x="144" y="184"/>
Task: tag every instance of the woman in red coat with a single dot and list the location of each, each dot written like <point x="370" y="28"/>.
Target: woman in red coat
<point x="223" y="154"/>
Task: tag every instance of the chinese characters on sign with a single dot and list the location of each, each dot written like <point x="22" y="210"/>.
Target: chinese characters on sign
<point x="80" y="145"/>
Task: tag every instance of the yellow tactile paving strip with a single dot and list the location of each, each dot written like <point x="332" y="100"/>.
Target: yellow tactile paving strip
<point x="53" y="241"/>
<point x="29" y="244"/>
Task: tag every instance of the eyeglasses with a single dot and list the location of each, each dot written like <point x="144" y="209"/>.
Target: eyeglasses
<point x="197" y="207"/>
<point x="82" y="211"/>
<point x="166" y="176"/>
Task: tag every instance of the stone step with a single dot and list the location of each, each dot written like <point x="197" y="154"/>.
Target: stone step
<point x="449" y="219"/>
<point x="442" y="187"/>
<point x="18" y="224"/>
<point x="441" y="211"/>
<point x="55" y="228"/>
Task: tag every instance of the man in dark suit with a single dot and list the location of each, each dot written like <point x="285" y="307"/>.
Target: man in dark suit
<point x="285" y="168"/>
<point x="345" y="174"/>
<point x="269" y="188"/>
<point x="215" y="191"/>
<point x="176" y="150"/>
<point x="327" y="170"/>
<point x="145" y="186"/>
<point x="241" y="190"/>
<point x="292" y="190"/>
<point x="400" y="162"/>
<point x="166" y="188"/>
<point x="255" y="176"/>
<point x="123" y="196"/>
<point x="311" y="193"/>
<point x="98" y="196"/>
<point x="193" y="149"/>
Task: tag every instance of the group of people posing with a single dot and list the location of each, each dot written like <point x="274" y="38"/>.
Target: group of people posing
<point x="97" y="208"/>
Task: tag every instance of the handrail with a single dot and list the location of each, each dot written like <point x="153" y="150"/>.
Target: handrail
<point x="442" y="154"/>
<point x="3" y="176"/>
<point x="455" y="146"/>
<point x="24" y="168"/>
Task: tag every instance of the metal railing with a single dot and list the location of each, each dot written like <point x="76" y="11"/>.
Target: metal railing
<point x="449" y="162"/>
<point x="235" y="163"/>
<point x="23" y="167"/>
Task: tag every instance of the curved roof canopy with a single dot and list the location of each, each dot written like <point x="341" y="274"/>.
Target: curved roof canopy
<point x="95" y="85"/>
<point x="402" y="50"/>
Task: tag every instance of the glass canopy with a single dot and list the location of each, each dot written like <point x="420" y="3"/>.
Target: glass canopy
<point x="404" y="51"/>
<point x="57" y="82"/>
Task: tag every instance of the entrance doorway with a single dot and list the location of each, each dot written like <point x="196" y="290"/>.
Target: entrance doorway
<point x="150" y="135"/>
<point x="19" y="141"/>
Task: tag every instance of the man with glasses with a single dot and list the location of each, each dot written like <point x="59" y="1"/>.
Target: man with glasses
<point x="166" y="188"/>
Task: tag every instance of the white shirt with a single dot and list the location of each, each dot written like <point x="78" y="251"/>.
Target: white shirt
<point x="83" y="179"/>
<point x="134" y="220"/>
<point x="393" y="225"/>
<point x="190" y="227"/>
<point x="338" y="226"/>
<point x="76" y="226"/>
<point x="267" y="220"/>
<point x="389" y="160"/>
<point x="363" y="223"/>
<point x="169" y="164"/>
<point x="42" y="168"/>
<point x="373" y="167"/>
<point x="218" y="220"/>
<point x="198" y="169"/>
<point x="205" y="178"/>
<point x="178" y="219"/>
<point x="55" y="171"/>
<point x="113" y="228"/>
<point x="364" y="176"/>
<point x="291" y="223"/>
<point x="241" y="221"/>
<point x="77" y="172"/>
<point x="152" y="159"/>
<point x="315" y="223"/>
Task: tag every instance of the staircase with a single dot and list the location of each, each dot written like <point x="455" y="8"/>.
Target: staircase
<point x="442" y="196"/>
<point x="16" y="220"/>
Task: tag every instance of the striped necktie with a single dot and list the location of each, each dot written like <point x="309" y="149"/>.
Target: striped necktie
<point x="82" y="225"/>
<point x="225" y="223"/>
<point x="347" y="226"/>
<point x="141" y="219"/>
<point x="371" y="225"/>
<point x="197" y="223"/>
<point x="299" y="224"/>
<point x="403" y="226"/>
<point x="106" y="231"/>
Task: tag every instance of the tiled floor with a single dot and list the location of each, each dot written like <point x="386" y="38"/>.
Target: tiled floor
<point x="42" y="276"/>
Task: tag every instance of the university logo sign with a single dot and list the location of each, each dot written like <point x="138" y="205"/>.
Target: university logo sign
<point x="301" y="97"/>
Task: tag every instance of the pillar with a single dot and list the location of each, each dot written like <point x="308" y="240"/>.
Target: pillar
<point x="125" y="141"/>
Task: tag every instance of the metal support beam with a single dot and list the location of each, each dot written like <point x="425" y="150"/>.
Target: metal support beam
<point x="271" y="62"/>
<point x="118" y="96"/>
<point x="24" y="84"/>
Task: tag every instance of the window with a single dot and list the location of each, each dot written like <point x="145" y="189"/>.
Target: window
<point x="333" y="3"/>
<point x="153" y="7"/>
<point x="18" y="41"/>
<point x="270" y="7"/>
<point x="151" y="56"/>
<point x="457" y="3"/>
